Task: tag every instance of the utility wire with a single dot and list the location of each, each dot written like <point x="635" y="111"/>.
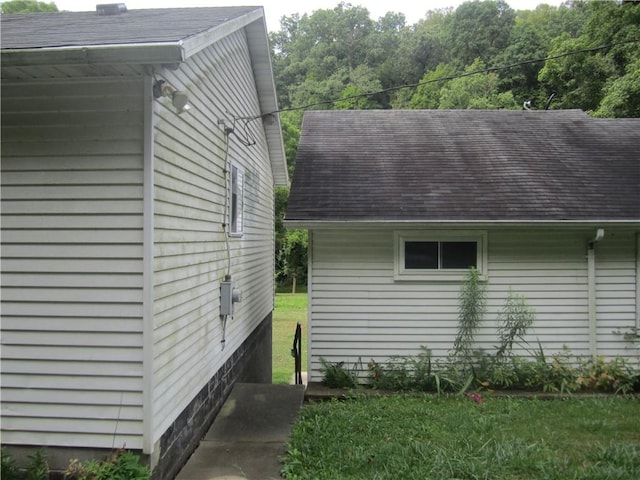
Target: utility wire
<point x="453" y="77"/>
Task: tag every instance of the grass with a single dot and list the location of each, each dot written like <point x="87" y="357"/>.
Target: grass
<point x="430" y="437"/>
<point x="290" y="309"/>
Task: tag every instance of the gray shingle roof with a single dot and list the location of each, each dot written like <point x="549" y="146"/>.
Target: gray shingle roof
<point x="465" y="165"/>
<point x="77" y="29"/>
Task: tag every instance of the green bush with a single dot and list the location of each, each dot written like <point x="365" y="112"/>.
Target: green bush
<point x="8" y="468"/>
<point x="337" y="375"/>
<point x="121" y="465"/>
<point x="471" y="310"/>
<point x="560" y="373"/>
<point x="513" y="322"/>
<point x="38" y="468"/>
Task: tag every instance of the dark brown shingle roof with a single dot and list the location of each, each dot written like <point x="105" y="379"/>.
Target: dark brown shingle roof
<point x="465" y="165"/>
<point x="77" y="29"/>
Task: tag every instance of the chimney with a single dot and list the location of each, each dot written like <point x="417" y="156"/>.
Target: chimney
<point x="106" y="9"/>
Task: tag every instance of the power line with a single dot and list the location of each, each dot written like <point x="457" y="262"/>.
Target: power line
<point x="460" y="75"/>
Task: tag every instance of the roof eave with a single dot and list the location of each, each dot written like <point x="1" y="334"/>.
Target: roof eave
<point x="195" y="43"/>
<point x="150" y="53"/>
<point x="260" y="52"/>
<point x="139" y="53"/>
<point x="367" y="224"/>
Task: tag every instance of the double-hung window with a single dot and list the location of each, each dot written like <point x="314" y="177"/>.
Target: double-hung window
<point x="441" y="256"/>
<point x="236" y="205"/>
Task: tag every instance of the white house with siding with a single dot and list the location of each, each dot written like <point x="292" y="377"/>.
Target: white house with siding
<point x="399" y="204"/>
<point x="139" y="159"/>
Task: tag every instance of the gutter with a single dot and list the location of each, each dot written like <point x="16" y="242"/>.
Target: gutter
<point x="592" y="293"/>
<point x="138" y="53"/>
<point x="453" y="224"/>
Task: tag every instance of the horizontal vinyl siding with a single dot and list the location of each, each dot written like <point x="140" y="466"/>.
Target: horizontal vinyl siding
<point x="72" y="263"/>
<point x="358" y="312"/>
<point x="616" y="293"/>
<point x="190" y="254"/>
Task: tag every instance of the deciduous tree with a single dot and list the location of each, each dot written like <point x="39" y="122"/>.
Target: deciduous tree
<point x="28" y="6"/>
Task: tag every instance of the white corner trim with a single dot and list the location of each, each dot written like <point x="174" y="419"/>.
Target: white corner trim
<point x="147" y="274"/>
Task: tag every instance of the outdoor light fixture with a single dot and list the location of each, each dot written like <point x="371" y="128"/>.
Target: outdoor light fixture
<point x="179" y="99"/>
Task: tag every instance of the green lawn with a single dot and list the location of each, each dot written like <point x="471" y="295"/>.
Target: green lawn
<point x="430" y="437"/>
<point x="290" y="309"/>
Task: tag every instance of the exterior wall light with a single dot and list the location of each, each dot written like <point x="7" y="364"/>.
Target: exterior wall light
<point x="179" y="99"/>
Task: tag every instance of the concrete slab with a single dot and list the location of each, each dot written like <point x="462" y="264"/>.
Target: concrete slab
<point x="247" y="439"/>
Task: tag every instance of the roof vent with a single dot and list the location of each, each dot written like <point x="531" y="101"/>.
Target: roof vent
<point x="111" y="9"/>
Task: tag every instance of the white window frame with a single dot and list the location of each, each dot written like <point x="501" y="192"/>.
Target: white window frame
<point x="439" y="275"/>
<point x="236" y="201"/>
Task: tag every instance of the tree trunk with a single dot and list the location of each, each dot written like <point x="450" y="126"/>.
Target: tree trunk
<point x="293" y="285"/>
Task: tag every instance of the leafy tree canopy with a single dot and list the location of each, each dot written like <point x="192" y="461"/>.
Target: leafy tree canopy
<point x="27" y="6"/>
<point x="604" y="81"/>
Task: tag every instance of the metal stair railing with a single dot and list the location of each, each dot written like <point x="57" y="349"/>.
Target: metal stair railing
<point x="296" y="353"/>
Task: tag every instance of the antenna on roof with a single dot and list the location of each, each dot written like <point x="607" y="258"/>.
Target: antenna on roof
<point x="106" y="9"/>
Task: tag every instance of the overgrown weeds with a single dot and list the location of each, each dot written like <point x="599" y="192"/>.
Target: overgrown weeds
<point x="338" y="375"/>
<point x="561" y="373"/>
<point x="471" y="310"/>
<point x="8" y="467"/>
<point x="118" y="465"/>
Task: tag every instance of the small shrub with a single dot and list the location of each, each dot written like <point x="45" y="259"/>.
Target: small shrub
<point x="471" y="310"/>
<point x="513" y="322"/>
<point x="420" y="373"/>
<point x="337" y="375"/>
<point x="120" y="465"/>
<point x="8" y="468"/>
<point x="562" y="373"/>
<point x="615" y="375"/>
<point x="396" y="375"/>
<point x="38" y="468"/>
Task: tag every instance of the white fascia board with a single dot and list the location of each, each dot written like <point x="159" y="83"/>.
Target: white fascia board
<point x="452" y="224"/>
<point x="139" y="53"/>
<point x="277" y="152"/>
<point x="260" y="53"/>
<point x="194" y="44"/>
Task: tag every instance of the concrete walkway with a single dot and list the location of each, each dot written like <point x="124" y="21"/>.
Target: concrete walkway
<point x="247" y="439"/>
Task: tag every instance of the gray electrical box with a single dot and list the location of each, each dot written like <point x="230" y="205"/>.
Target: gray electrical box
<point x="229" y="295"/>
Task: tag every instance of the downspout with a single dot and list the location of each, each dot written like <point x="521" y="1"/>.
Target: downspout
<point x="591" y="285"/>
<point x="637" y="330"/>
<point x="310" y="302"/>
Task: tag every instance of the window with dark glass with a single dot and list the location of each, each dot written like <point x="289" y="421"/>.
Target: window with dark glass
<point x="444" y="255"/>
<point x="421" y="255"/>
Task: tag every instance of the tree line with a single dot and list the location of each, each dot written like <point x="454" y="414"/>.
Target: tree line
<point x="482" y="55"/>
